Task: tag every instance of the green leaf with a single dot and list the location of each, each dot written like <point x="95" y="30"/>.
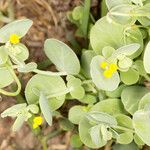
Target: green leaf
<point x="110" y="106"/>
<point x="147" y="58"/>
<point x="104" y="33"/>
<point x="125" y="138"/>
<point x="27" y="67"/>
<point x="75" y="141"/>
<point x="124" y="121"/>
<point x="130" y="77"/>
<point x="19" y="27"/>
<point x="138" y="65"/>
<point x="49" y="85"/>
<point x="138" y="140"/>
<point x="131" y="96"/>
<point x="107" y="51"/>
<point x="127" y="50"/>
<point x="96" y="135"/>
<point x="14" y="110"/>
<point x="62" y="56"/>
<point x="74" y="115"/>
<point x="77" y="13"/>
<point x="107" y="84"/>
<point x="116" y="93"/>
<point x="46" y="110"/>
<point x="5" y="77"/>
<point x="33" y="108"/>
<point x="124" y="64"/>
<point x="85" y="136"/>
<point x="66" y="125"/>
<point x="131" y="146"/>
<point x="3" y="55"/>
<point x="74" y="84"/>
<point x="86" y="60"/>
<point x="122" y="14"/>
<point x="101" y="118"/>
<point x="18" y="122"/>
<point x="85" y="18"/>
<point x="88" y="99"/>
<point x="141" y="121"/>
<point x="112" y="3"/>
<point x="145" y="100"/>
<point x="19" y="51"/>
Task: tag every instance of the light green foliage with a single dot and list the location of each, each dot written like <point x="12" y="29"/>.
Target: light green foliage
<point x="141" y="123"/>
<point x="75" y="141"/>
<point x="62" y="56"/>
<point x="131" y="96"/>
<point x="146" y="58"/>
<point x="19" y="27"/>
<point x="22" y="112"/>
<point x="110" y="106"/>
<point x="107" y="94"/>
<point x="75" y="86"/>
<point x="104" y="33"/>
<point x="45" y="108"/>
<point x="74" y="115"/>
<point x="53" y="87"/>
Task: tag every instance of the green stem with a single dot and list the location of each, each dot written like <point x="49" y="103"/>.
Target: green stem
<point x="17" y="82"/>
<point x="87" y="82"/>
<point x="50" y="73"/>
<point x="44" y="143"/>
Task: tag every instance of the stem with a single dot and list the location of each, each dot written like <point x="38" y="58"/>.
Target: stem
<point x="50" y="73"/>
<point x="108" y="145"/>
<point x="87" y="82"/>
<point x="17" y="82"/>
<point x="66" y="91"/>
<point x="44" y="143"/>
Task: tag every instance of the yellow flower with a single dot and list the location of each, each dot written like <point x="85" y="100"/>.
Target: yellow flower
<point x="14" y="39"/>
<point x="104" y="65"/>
<point x="108" y="73"/>
<point x="113" y="67"/>
<point x="109" y="69"/>
<point x="37" y="121"/>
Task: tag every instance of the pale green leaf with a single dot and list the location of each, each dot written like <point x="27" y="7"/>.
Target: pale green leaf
<point x="19" y="27"/>
<point x="145" y="100"/>
<point x="101" y="118"/>
<point x="84" y="128"/>
<point x="130" y="77"/>
<point x="62" y="56"/>
<point x="131" y="96"/>
<point x="46" y="110"/>
<point x="110" y="106"/>
<point x="5" y="77"/>
<point x="74" y="115"/>
<point x="147" y="58"/>
<point x="49" y="85"/>
<point x="104" y="33"/>
<point x="141" y="122"/>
